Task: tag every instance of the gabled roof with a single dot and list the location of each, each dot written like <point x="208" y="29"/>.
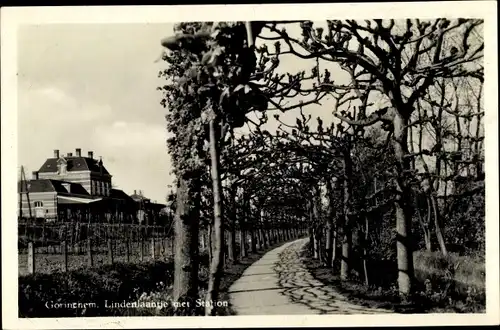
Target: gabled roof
<point x="138" y="198"/>
<point x="76" y="200"/>
<point x="41" y="185"/>
<point x="75" y="188"/>
<point x="73" y="164"/>
<point x="119" y="194"/>
<point x="49" y="185"/>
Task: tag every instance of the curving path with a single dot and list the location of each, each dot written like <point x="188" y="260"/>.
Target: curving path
<point x="279" y="283"/>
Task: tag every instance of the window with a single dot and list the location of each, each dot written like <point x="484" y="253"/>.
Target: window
<point x="38" y="204"/>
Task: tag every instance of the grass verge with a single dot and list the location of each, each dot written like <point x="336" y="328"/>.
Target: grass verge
<point x="449" y="284"/>
<point x="93" y="291"/>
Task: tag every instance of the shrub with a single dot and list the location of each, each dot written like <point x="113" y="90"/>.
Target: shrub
<point x="452" y="279"/>
<point x="117" y="282"/>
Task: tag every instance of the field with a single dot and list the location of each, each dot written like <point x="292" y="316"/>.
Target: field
<point x="71" y="246"/>
<point x="50" y="262"/>
<point x="139" y="281"/>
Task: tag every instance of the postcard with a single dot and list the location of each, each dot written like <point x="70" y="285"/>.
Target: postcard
<point x="250" y="165"/>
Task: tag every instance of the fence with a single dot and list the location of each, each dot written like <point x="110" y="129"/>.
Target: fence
<point x="63" y="246"/>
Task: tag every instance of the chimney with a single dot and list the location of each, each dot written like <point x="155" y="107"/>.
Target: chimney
<point x="70" y="154"/>
<point x="78" y="152"/>
<point x="91" y="154"/>
<point x="34" y="175"/>
<point x="135" y="192"/>
<point x="100" y="165"/>
<point x="56" y="153"/>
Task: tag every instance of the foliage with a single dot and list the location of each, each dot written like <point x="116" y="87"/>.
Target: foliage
<point x="114" y="283"/>
<point x="437" y="290"/>
<point x="410" y="127"/>
<point x="465" y="229"/>
<point x="459" y="279"/>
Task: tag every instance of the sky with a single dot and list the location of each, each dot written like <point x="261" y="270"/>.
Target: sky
<point x="93" y="86"/>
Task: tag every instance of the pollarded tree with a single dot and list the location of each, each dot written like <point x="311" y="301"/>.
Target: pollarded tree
<point x="184" y="123"/>
<point x="211" y="70"/>
<point x="391" y="62"/>
<point x="330" y="149"/>
<point x="219" y="63"/>
<point x="451" y="111"/>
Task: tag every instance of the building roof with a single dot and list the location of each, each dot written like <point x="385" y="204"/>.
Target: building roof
<point x="157" y="206"/>
<point x="139" y="198"/>
<point x="49" y="185"/>
<point x="75" y="188"/>
<point x="119" y="194"/>
<point x="74" y="163"/>
<point x="76" y="200"/>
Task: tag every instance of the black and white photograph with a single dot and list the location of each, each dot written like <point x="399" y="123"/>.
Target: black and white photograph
<point x="287" y="164"/>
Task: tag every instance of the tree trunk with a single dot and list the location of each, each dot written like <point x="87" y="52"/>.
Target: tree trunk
<point x="243" y="246"/>
<point x="437" y="226"/>
<point x="243" y="227"/>
<point x="203" y="241"/>
<point x="230" y="246"/>
<point x="186" y="241"/>
<point x="316" y="217"/>
<point x="260" y="234"/>
<point x="253" y="239"/>
<point x="329" y="244"/>
<point x="216" y="267"/>
<point x="403" y="207"/>
<point x="232" y="250"/>
<point x="424" y="225"/>
<point x="311" y="240"/>
<point x="334" y="247"/>
<point x="315" y="244"/>
<point x="232" y="256"/>
<point x="329" y="225"/>
<point x="210" y="236"/>
<point x="365" y="251"/>
<point x="267" y="241"/>
<point x="262" y="230"/>
<point x="347" y="232"/>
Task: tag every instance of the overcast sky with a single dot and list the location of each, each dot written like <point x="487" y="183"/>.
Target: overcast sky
<point x="93" y="86"/>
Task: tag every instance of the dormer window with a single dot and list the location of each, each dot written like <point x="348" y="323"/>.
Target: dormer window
<point x="61" y="166"/>
<point x="67" y="186"/>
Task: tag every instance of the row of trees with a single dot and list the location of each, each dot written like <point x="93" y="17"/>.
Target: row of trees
<point x="406" y="144"/>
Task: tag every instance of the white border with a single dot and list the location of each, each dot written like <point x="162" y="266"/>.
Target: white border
<point x="11" y="18"/>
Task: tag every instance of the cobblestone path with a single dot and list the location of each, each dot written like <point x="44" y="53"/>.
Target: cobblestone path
<point x="280" y="284"/>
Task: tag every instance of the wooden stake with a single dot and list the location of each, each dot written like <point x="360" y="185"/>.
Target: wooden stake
<point x="31" y="258"/>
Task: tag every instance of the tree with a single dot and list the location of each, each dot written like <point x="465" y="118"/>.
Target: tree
<point x="215" y="70"/>
<point x="396" y="63"/>
<point x="183" y="122"/>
